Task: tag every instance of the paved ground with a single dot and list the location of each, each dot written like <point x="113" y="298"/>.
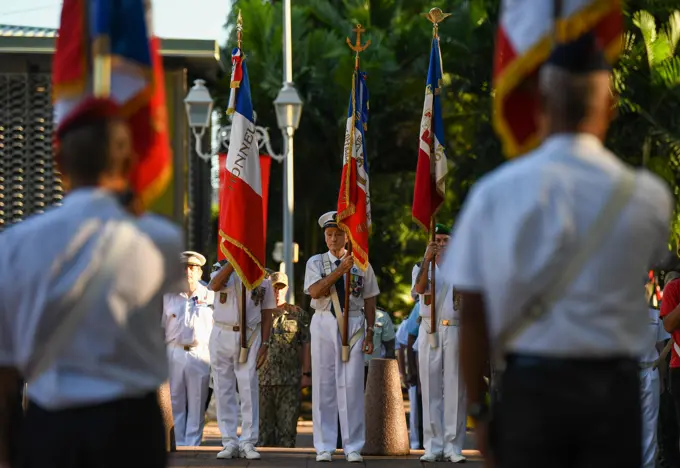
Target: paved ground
<point x="297" y="458"/>
<point x="303" y="456"/>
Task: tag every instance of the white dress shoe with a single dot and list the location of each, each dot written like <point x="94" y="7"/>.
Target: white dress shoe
<point x="229" y="451"/>
<point x="249" y="452"/>
<point x="355" y="457"/>
<point x="324" y="457"/>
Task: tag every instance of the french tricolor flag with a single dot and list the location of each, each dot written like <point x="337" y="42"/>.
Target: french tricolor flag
<point x="430" y="187"/>
<point x="242" y="239"/>
<point x="116" y="37"/>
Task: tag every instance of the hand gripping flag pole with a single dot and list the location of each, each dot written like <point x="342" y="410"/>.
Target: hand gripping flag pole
<point x="350" y="181"/>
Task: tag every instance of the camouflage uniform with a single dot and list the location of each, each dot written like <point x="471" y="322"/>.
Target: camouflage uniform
<point x="280" y="378"/>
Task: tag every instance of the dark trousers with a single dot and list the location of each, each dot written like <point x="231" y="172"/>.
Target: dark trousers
<point x="568" y="413"/>
<point x="127" y="432"/>
<point x="16" y="415"/>
<point x="668" y="433"/>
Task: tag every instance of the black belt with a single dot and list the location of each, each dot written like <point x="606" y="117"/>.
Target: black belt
<point x="519" y="361"/>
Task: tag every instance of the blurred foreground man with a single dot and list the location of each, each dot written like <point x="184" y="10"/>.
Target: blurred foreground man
<point x="287" y="369"/>
<point x="81" y="291"/>
<point x="567" y="336"/>
<point x="188" y="321"/>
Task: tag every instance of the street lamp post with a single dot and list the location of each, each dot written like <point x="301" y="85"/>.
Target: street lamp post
<point x="288" y="111"/>
<point x="199" y="105"/>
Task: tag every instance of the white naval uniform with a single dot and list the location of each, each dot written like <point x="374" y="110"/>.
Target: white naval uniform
<point x="401" y="341"/>
<point x="442" y="386"/>
<point x="337" y="387"/>
<point x="225" y="348"/>
<point x="650" y="390"/>
<point x="117" y="350"/>
<point x="188" y="322"/>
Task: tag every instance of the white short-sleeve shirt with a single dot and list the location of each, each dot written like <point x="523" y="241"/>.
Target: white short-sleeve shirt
<point x="443" y="292"/>
<point x="363" y="284"/>
<point x="118" y="349"/>
<point x="188" y="320"/>
<point x="226" y="301"/>
<point x="521" y="223"/>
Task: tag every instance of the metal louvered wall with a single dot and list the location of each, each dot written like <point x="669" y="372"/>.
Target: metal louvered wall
<point x="28" y="182"/>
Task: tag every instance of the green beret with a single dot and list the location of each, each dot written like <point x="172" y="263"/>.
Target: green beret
<point x="441" y="229"/>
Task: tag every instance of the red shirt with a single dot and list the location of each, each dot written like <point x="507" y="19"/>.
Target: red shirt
<point x="671" y="299"/>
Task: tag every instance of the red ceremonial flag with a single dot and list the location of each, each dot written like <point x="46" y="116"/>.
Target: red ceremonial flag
<point x="525" y="37"/>
<point x="354" y="202"/>
<point x="242" y="239"/>
<point x="136" y="78"/>
<point x="265" y="167"/>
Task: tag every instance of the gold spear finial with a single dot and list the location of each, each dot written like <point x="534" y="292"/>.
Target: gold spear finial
<point x="239" y="28"/>
<point x="357" y="47"/>
<point x="436" y="16"/>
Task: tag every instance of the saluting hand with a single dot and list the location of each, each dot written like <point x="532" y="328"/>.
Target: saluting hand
<point x="346" y="263"/>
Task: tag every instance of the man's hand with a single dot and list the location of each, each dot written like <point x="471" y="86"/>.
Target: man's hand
<point x="346" y="263"/>
<point x="412" y="379"/>
<point x="367" y="345"/>
<point x="432" y="250"/>
<point x="262" y="356"/>
<point x="306" y="381"/>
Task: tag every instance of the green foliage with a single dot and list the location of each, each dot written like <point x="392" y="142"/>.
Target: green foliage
<point x="647" y="79"/>
<point x="646" y="132"/>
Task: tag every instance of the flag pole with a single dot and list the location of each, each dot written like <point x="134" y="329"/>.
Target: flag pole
<point x="357" y="48"/>
<point x="436" y="16"/>
<point x="243" y="355"/>
<point x="101" y="64"/>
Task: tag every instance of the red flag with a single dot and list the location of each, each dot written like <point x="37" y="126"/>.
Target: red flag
<point x="523" y="42"/>
<point x="136" y="79"/>
<point x="265" y="167"/>
<point x="354" y="202"/>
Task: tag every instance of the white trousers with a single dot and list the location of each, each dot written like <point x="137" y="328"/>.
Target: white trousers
<point x="650" y="394"/>
<point x="225" y="346"/>
<point x="443" y="392"/>
<point x="337" y="387"/>
<point x="414" y="436"/>
<point x="189" y="378"/>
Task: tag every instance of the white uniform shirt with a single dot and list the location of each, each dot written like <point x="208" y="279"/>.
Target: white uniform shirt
<point x="445" y="311"/>
<point x="363" y="284"/>
<point x="520" y="225"/>
<point x="188" y="320"/>
<point x="226" y="302"/>
<point x="118" y="350"/>
<point x="655" y="334"/>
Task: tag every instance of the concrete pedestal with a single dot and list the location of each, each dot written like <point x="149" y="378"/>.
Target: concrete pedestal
<point x="166" y="409"/>
<point x="386" y="431"/>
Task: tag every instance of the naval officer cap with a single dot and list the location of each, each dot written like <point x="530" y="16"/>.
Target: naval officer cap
<point x="329" y="219"/>
<point x="192" y="258"/>
<point x="582" y="56"/>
